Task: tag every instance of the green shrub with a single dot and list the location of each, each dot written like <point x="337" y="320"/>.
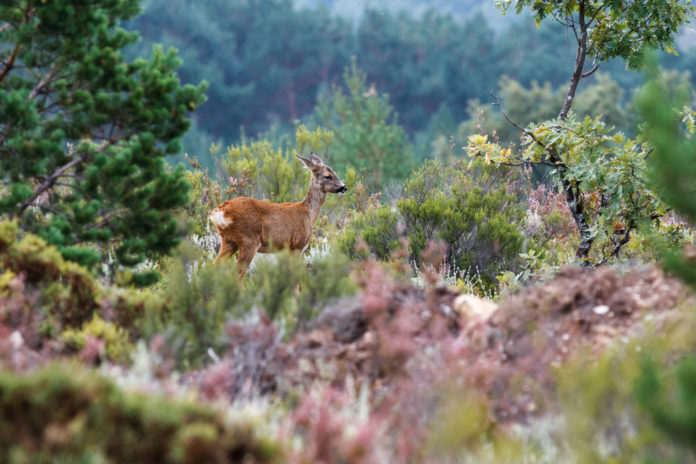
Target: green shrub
<point x="201" y="297"/>
<point x="65" y="413"/>
<point x="68" y="292"/>
<point x="260" y="170"/>
<point x="473" y="210"/>
<point x="117" y="346"/>
<point x="377" y="227"/>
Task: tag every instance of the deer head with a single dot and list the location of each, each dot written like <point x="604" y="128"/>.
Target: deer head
<point x="323" y="177"/>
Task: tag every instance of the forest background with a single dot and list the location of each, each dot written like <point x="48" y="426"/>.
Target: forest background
<point x="270" y="62"/>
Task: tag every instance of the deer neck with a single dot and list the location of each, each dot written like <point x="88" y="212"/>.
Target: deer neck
<point x="313" y="200"/>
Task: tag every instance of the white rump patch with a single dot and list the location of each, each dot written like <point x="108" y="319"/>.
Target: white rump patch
<point x="219" y="219"/>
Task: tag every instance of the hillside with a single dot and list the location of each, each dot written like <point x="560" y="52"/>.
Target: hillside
<point x="256" y="232"/>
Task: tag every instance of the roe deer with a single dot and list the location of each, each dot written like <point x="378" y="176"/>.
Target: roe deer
<point x="248" y="226"/>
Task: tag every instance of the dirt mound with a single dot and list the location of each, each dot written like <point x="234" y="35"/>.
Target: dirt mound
<point x="394" y="330"/>
<point x="531" y="333"/>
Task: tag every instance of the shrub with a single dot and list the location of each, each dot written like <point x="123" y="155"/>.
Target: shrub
<point x="260" y="170"/>
<point x="117" y="346"/>
<point x="66" y="290"/>
<point x="57" y="294"/>
<point x="64" y="413"/>
<point x="474" y="212"/>
<point x="377" y="228"/>
<point x="202" y="297"/>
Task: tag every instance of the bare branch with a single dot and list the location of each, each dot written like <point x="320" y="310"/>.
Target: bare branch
<point x="10" y="63"/>
<point x="624" y="239"/>
<point x="590" y="72"/>
<point x="527" y="132"/>
<point x="575" y="31"/>
<point x="42" y="83"/>
<point x="48" y="183"/>
<point x="524" y="162"/>
<point x="107" y="217"/>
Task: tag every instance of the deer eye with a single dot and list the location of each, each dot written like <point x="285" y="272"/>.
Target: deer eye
<point x="327" y="177"/>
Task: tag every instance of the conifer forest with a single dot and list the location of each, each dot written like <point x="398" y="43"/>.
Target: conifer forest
<point x="332" y="232"/>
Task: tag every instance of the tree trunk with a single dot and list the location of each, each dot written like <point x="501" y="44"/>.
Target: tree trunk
<point x="572" y="192"/>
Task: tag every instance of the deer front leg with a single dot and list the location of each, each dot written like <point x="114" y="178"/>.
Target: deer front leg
<point x="227" y="249"/>
<point x="247" y="250"/>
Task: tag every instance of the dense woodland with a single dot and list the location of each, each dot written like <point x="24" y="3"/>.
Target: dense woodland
<point x="508" y="278"/>
<point x="269" y="63"/>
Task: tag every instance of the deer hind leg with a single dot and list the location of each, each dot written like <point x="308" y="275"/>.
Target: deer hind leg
<point x="247" y="251"/>
<point x="227" y="249"/>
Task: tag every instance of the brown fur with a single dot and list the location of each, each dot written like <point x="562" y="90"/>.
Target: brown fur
<point x="247" y="226"/>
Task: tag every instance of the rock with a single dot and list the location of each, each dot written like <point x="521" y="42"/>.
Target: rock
<point x="600" y="309"/>
<point x="473" y="306"/>
<point x="345" y="317"/>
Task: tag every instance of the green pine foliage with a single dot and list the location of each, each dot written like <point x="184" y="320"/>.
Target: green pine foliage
<point x="666" y="393"/>
<point x="674" y="168"/>
<point x="84" y="132"/>
<point x="367" y="133"/>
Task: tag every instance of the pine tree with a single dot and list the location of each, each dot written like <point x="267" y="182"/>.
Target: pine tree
<point x="368" y="136"/>
<point x="83" y="132"/>
<point x="667" y="395"/>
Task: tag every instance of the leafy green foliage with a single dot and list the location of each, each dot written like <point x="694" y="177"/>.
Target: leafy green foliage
<point x="84" y="132"/>
<point x="367" y="135"/>
<point x="65" y="413"/>
<point x="603" y="30"/>
<point x="469" y="209"/>
<point x="610" y="168"/>
<point x="622" y="28"/>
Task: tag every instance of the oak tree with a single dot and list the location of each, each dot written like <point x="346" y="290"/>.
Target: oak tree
<point x="600" y="173"/>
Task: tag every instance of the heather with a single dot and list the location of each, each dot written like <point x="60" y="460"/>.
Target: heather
<point x="508" y="277"/>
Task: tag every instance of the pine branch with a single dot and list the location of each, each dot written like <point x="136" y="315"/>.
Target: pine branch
<point x="48" y="183"/>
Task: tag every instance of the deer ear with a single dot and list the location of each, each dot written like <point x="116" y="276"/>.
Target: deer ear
<point x="308" y="164"/>
<point x="315" y="159"/>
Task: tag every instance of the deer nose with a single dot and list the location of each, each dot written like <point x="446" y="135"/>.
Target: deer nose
<point x="343" y="189"/>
